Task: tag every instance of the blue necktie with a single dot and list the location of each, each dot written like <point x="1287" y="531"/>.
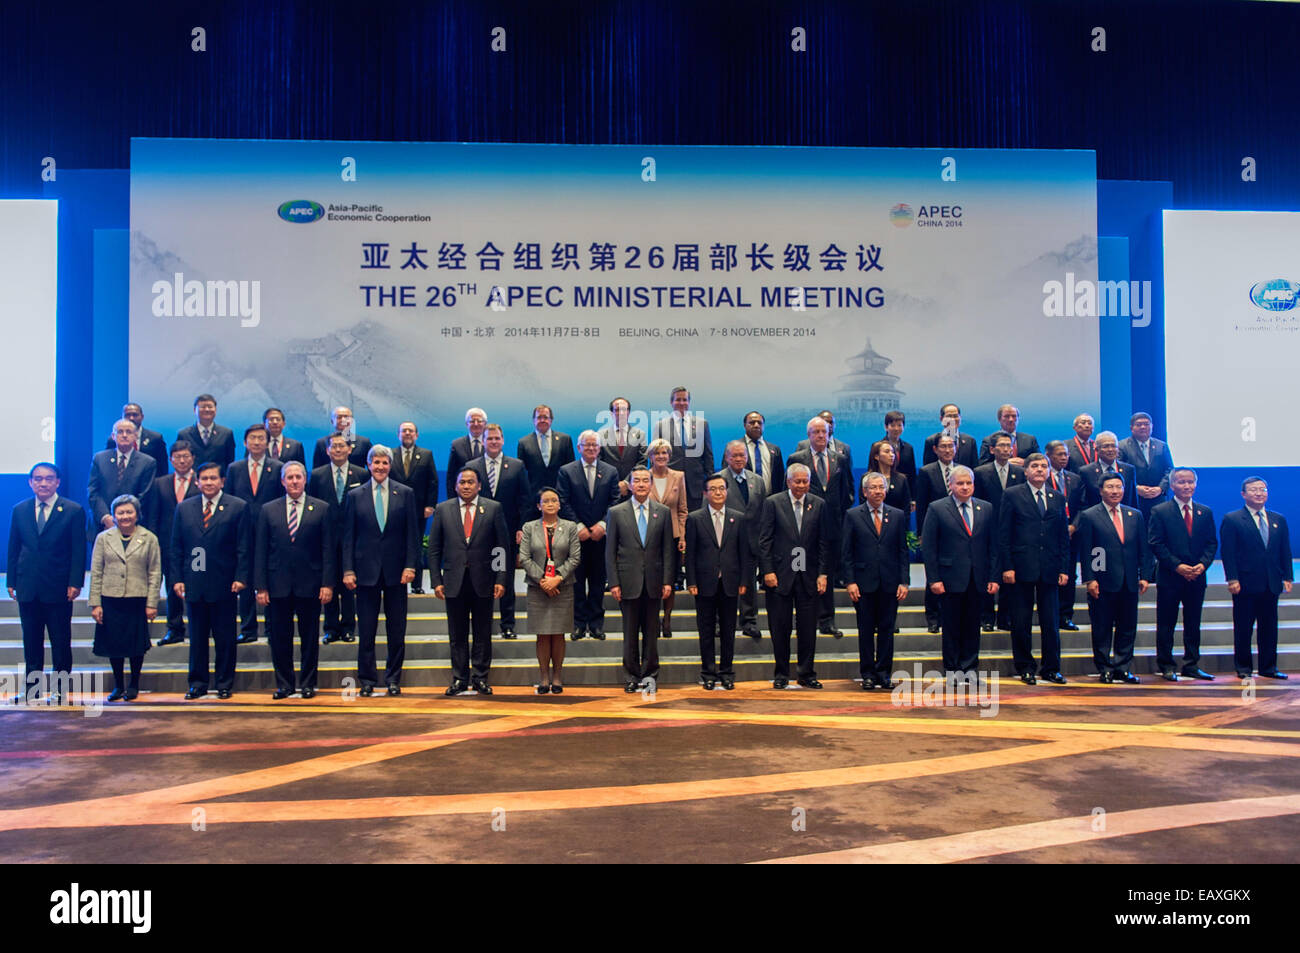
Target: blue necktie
<point x="338" y="483"/>
<point x="758" y="458"/>
<point x="40" y="519"/>
<point x="640" y="521"/>
<point x="681" y="426"/>
<point x="1263" y="527"/>
<point x="380" y="516"/>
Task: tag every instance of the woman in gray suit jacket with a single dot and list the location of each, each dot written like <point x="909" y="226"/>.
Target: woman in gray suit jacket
<point x="549" y="554"/>
<point x="125" y="574"/>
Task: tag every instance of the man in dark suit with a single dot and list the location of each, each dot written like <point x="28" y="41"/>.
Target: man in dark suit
<point x="1023" y="444"/>
<point x="117" y="472"/>
<point x="256" y="481"/>
<point x="839" y="446"/>
<point x="1034" y="554"/>
<point x="46" y="570"/>
<point x="719" y="570"/>
<point x="543" y="452"/>
<point x="467" y="544"/>
<point x="211" y="562"/>
<point x="992" y="479"/>
<point x="167" y="493"/>
<point x="358" y="446"/>
<point x="1256" y="546"/>
<point x="874" y="559"/>
<point x="293" y="566"/>
<point x="588" y="488"/>
<point x="931" y="487"/>
<point x="832" y="481"/>
<point x="413" y="466"/>
<point x="1070" y="485"/>
<point x="622" y="446"/>
<point x="692" y="444"/>
<point x="210" y="441"/>
<point x="1083" y="450"/>
<point x="332" y="484"/>
<point x="278" y="446"/>
<point x="959" y="542"/>
<point x="746" y="492"/>
<point x="762" y="456"/>
<point x="1183" y="542"/>
<point x="466" y="448"/>
<point x="904" y="455"/>
<point x="148" y="442"/>
<point x="640" y="558"/>
<point x="503" y="480"/>
<point x="1151" y="459"/>
<point x="381" y="548"/>
<point x="965" y="453"/>
<point x="1117" y="569"/>
<point x="793" y="553"/>
<point x="1107" y="463"/>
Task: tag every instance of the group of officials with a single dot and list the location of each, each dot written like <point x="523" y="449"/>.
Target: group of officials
<point x="1002" y="528"/>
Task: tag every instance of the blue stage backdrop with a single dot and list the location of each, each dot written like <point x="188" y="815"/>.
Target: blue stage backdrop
<point x="450" y="274"/>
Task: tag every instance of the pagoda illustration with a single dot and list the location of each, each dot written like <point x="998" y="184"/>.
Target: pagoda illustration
<point x="867" y="390"/>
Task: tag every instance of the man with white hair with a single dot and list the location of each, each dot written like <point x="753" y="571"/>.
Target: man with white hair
<point x="588" y="487"/>
<point x="831" y="479"/>
<point x="121" y="471"/>
<point x="344" y="423"/>
<point x="466" y="448"/>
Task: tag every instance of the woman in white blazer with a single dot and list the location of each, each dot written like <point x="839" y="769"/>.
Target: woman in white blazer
<point x="549" y="554"/>
<point x="125" y="575"/>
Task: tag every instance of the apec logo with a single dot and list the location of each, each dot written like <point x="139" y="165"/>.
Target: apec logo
<point x="903" y="215"/>
<point x="1276" y="295"/>
<point x="301" y="210"/>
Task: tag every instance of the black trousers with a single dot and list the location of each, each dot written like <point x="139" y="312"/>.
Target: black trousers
<point x="640" y="637"/>
<point x="715" y="620"/>
<point x="1024" y="595"/>
<point x="465" y="612"/>
<point x="1248" y="610"/>
<point x="393" y="596"/>
<point x="799" y="607"/>
<point x="997" y="607"/>
<point x="37" y="618"/>
<point x="214" y="620"/>
<point x="961" y="627"/>
<point x="340" y="611"/>
<point x="1114" y="617"/>
<point x="280" y="616"/>
<point x="877" y="611"/>
<point x="175" y="607"/>
<point x="589" y="586"/>
<point x="1065" y="597"/>
<point x="933" y="613"/>
<point x="506" y="612"/>
<point x="748" y="603"/>
<point x="248" y="613"/>
<point x="1170" y="594"/>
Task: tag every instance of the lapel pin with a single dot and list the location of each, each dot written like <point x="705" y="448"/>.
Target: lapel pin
<point x="310" y="507"/>
<point x="59" y="508"/>
<point x="221" y="507"/>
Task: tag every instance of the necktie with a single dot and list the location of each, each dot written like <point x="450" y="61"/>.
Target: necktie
<point x="798" y="515"/>
<point x="406" y="461"/>
<point x="946" y="479"/>
<point x="380" y="516"/>
<point x="821" y="469"/>
<point x="545" y="441"/>
<point x="492" y="477"/>
<point x="622" y="441"/>
<point x="293" y="519"/>
<point x="1146" y="453"/>
<point x="274" y="451"/>
<point x="254" y="476"/>
<point x="1002" y="476"/>
<point x="121" y="467"/>
<point x="681" y="427"/>
<point x="181" y="486"/>
<point x="205" y="433"/>
<point x="1263" y="527"/>
<point x="207" y="514"/>
<point x="338" y="483"/>
<point x="758" y="458"/>
<point x="1059" y="484"/>
<point x="40" y="518"/>
<point x="640" y="521"/>
<point x="966" y="519"/>
<point x="875" y="515"/>
<point x="1187" y="517"/>
<point x="469" y="520"/>
<point x="1042" y="504"/>
<point x="478" y="448"/>
<point x="1119" y="524"/>
<point x="744" y="487"/>
<point x="591" y="480"/>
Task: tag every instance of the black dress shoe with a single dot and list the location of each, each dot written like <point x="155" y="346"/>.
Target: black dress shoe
<point x="1241" y="673"/>
<point x="1169" y="675"/>
<point x="331" y="637"/>
<point x="309" y="693"/>
<point x="752" y="631"/>
<point x="780" y="682"/>
<point x="417" y="591"/>
<point x="1056" y="678"/>
<point x="1028" y="678"/>
<point x="597" y="634"/>
<point x="281" y="693"/>
<point x="366" y="691"/>
<point x="1128" y="678"/>
<point x="171" y="638"/>
<point x="932" y="628"/>
<point x="708" y="684"/>
<point x="810" y="683"/>
<point x="830" y="630"/>
<point x="129" y="696"/>
<point x="507" y="632"/>
<point x="577" y="634"/>
<point x="632" y="687"/>
<point x="115" y="694"/>
<point x="394" y="689"/>
<point x="543" y="689"/>
<point x="194" y="693"/>
<point x="1283" y="676"/>
<point x="988" y="627"/>
<point x="1069" y="626"/>
<point x="728" y="683"/>
<point x="557" y="689"/>
<point x="224" y="693"/>
<point x="455" y="688"/>
<point x="1106" y="677"/>
<point x="1197" y="673"/>
<point x="244" y="638"/>
<point x="666" y="630"/>
<point x="482" y="687"/>
<point x="868" y="683"/>
<point x="349" y="637"/>
<point x="886" y="683"/>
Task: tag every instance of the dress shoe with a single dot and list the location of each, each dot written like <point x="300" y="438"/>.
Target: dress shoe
<point x="752" y="631"/>
<point x="1069" y="626"/>
<point x="349" y="637"/>
<point x="728" y="683"/>
<point x="394" y="689"/>
<point x="1106" y="678"/>
<point x="868" y="683"/>
<point x="708" y="684"/>
<point x="780" y="682"/>
<point x="281" y="693"/>
<point x="245" y="638"/>
<point x="417" y="591"/>
<point x="988" y="627"/>
<point x="543" y="689"/>
<point x="194" y="693"/>
<point x="482" y="687"/>
<point x="1197" y="673"/>
<point x="597" y="634"/>
<point x="1128" y="678"/>
<point x="115" y="695"/>
<point x="932" y="628"/>
<point x="557" y="689"/>
<point x="171" y="638"/>
<point x="1283" y="676"/>
<point x="1169" y="675"/>
<point x="1056" y="678"/>
<point x="666" y="630"/>
<point x="455" y="688"/>
<point x="224" y="693"/>
<point x="1241" y="673"/>
<point x="632" y="687"/>
<point x="309" y="693"/>
<point x="367" y="691"/>
<point x="331" y="637"/>
<point x="507" y="632"/>
<point x="886" y="683"/>
<point x="129" y="696"/>
<point x="810" y="683"/>
<point x="578" y="632"/>
<point x="830" y="630"/>
<point x="1028" y="678"/>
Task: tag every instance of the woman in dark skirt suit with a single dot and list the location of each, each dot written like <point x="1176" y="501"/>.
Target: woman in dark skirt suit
<point x="881" y="460"/>
<point x="125" y="574"/>
<point x="549" y="554"/>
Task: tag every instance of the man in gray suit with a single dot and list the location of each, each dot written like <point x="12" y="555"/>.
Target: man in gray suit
<point x="745" y="492"/>
<point x="639" y="558"/>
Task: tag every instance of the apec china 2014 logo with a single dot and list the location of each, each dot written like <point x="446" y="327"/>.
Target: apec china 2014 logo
<point x="301" y="210"/>
<point x="1279" y="294"/>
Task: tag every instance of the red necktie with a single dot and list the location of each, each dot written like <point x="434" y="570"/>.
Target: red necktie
<point x="207" y="514"/>
<point x="181" y="486"/>
<point x="253" y="473"/>
<point x="469" y="522"/>
<point x="1187" y="517"/>
<point x="875" y="514"/>
<point x="1119" y="524"/>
